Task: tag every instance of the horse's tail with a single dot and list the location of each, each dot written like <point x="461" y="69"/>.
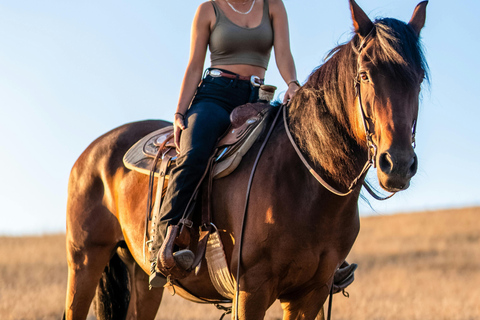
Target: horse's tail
<point x="113" y="294"/>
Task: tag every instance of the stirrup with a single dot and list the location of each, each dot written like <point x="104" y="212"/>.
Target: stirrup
<point x="156" y="279"/>
<point x="173" y="263"/>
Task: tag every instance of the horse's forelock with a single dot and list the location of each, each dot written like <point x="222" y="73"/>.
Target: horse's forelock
<point x="397" y="47"/>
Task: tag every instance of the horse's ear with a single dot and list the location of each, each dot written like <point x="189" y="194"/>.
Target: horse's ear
<point x="418" y="18"/>
<point x="361" y="22"/>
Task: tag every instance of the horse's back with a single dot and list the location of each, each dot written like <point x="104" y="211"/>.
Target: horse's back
<point x="112" y="145"/>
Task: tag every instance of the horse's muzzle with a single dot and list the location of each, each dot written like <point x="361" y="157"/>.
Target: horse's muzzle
<point x="396" y="169"/>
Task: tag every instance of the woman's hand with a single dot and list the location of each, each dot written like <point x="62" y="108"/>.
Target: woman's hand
<point x="292" y="88"/>
<point x="178" y="126"/>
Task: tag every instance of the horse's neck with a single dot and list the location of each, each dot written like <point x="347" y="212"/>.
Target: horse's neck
<point x="326" y="137"/>
<point x="314" y="206"/>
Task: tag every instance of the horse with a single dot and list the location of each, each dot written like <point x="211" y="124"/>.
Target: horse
<point x="359" y="107"/>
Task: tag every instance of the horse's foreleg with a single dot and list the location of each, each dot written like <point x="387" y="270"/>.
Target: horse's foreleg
<point x="252" y="306"/>
<point x="256" y="296"/>
<point x="308" y="306"/>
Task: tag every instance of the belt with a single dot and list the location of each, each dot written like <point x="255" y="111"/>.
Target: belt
<point x="254" y="80"/>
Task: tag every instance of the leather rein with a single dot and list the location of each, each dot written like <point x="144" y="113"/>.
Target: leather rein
<point x="371" y="146"/>
<point x="372" y="152"/>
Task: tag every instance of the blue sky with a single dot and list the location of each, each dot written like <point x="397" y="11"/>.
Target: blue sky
<point x="73" y="70"/>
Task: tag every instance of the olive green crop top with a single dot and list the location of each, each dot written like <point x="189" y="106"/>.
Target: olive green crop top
<point x="233" y="44"/>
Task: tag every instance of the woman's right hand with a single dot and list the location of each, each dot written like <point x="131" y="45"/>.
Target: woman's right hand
<point x="178" y="126"/>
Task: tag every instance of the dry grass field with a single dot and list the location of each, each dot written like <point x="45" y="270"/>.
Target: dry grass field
<point x="411" y="266"/>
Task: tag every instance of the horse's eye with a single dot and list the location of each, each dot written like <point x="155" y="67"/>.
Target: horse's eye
<point x="364" y="76"/>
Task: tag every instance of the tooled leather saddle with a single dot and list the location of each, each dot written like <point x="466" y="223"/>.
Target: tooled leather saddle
<point x="155" y="155"/>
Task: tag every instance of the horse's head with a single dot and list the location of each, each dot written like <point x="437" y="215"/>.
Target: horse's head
<point x="390" y="70"/>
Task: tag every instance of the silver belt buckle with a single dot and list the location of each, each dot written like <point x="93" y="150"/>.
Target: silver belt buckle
<point x="254" y="79"/>
<point x="215" y="73"/>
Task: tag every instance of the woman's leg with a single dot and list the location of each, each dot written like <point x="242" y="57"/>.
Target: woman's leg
<point x="205" y="123"/>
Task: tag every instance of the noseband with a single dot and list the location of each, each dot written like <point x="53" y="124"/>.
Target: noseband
<point x="371" y="146"/>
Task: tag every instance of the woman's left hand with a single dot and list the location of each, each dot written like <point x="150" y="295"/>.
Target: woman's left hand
<point x="292" y="88"/>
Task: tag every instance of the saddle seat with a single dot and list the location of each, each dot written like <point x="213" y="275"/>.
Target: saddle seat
<point x="247" y="122"/>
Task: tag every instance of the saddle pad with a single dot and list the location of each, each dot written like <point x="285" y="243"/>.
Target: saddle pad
<point x="231" y="156"/>
<point x="141" y="155"/>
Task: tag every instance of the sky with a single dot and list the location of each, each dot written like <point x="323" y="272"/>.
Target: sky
<point x="73" y="70"/>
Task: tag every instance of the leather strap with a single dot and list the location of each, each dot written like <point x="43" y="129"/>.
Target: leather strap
<point x="161" y="181"/>
<point x="312" y="171"/>
<point x="249" y="186"/>
<point x="151" y="179"/>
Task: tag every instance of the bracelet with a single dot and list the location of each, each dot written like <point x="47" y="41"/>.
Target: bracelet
<point x="294" y="81"/>
<point x="181" y="115"/>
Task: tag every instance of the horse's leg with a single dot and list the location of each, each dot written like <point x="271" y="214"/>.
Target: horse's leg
<point x="253" y="305"/>
<point x="92" y="236"/>
<point x="144" y="303"/>
<point x="85" y="266"/>
<point x="305" y="307"/>
<point x="256" y="294"/>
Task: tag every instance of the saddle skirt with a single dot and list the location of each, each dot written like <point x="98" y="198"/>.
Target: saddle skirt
<point x="247" y="122"/>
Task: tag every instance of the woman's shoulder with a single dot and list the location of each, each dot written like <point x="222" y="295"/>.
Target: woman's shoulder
<point x="205" y="11"/>
<point x="275" y="6"/>
<point x="206" y="6"/>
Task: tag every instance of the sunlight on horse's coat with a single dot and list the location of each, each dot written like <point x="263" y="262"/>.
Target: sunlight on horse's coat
<point x="269" y="216"/>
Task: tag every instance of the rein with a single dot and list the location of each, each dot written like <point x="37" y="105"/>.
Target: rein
<point x="312" y="171"/>
<point x="371" y="146"/>
<point x="245" y="211"/>
<point x="372" y="152"/>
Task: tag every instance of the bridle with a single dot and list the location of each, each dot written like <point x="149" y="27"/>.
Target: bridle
<point x="371" y="146"/>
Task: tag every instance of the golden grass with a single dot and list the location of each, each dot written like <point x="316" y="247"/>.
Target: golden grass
<point x="411" y="266"/>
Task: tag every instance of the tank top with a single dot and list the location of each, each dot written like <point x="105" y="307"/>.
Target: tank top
<point x="233" y="44"/>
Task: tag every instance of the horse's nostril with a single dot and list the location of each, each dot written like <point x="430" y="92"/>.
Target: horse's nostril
<point x="414" y="166"/>
<point x="385" y="163"/>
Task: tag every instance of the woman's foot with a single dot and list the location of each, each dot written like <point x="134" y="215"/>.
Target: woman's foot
<point x="183" y="259"/>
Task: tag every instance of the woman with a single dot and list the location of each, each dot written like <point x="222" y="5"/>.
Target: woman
<point x="240" y="35"/>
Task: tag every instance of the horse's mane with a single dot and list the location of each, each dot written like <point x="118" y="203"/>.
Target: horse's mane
<point x="321" y="114"/>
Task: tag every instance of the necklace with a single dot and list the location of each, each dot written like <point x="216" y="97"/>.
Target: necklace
<point x="233" y="8"/>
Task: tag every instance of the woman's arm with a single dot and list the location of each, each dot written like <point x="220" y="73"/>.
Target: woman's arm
<point x="200" y="35"/>
<point x="281" y="44"/>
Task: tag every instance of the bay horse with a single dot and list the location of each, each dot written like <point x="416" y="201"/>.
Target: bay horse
<point x="362" y="102"/>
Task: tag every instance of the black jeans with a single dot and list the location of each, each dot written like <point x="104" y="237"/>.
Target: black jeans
<point x="206" y="120"/>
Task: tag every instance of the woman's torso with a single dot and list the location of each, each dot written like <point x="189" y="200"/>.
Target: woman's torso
<point x="254" y="28"/>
